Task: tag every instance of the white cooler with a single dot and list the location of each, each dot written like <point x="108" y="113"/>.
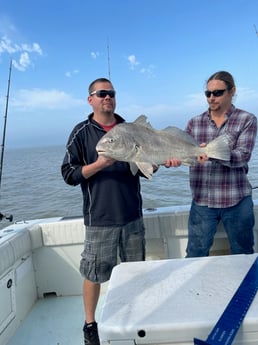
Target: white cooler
<point x="174" y="301"/>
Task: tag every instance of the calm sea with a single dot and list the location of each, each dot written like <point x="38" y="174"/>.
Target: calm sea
<point x="32" y="185"/>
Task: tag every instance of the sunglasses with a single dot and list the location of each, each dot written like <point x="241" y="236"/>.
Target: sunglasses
<point x="215" y="93"/>
<point x="104" y="93"/>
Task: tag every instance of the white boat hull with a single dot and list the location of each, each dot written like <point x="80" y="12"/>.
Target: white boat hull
<point x="39" y="259"/>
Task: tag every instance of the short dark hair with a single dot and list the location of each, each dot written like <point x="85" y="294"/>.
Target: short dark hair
<point x="223" y="76"/>
<point x="99" y="80"/>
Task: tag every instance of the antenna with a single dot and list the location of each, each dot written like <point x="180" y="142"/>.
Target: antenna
<point x="255" y="30"/>
<point x="109" y="74"/>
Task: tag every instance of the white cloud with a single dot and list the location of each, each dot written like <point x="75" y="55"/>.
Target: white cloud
<point x="243" y="94"/>
<point x="132" y="61"/>
<point x="149" y="71"/>
<point x="69" y="74"/>
<point x="194" y="100"/>
<point x="6" y="26"/>
<point x="34" y="48"/>
<point x="6" y="46"/>
<point x="23" y="62"/>
<point x="29" y="100"/>
<point x="24" y="52"/>
<point x="94" y="55"/>
<point x="134" y="64"/>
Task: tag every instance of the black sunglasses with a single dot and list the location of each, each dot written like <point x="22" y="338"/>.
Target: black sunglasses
<point x="104" y="93"/>
<point x="215" y="93"/>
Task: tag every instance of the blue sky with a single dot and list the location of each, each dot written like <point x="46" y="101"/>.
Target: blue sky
<point x="161" y="53"/>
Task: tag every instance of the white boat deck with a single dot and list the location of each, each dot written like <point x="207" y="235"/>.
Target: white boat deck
<point x="40" y="259"/>
<point x="53" y="321"/>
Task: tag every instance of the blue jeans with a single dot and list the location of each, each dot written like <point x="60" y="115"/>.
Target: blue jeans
<point x="238" y="223"/>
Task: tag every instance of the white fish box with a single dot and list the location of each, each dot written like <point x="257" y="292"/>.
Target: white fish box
<point x="174" y="301"/>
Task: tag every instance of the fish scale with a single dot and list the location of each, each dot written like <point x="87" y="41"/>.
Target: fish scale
<point x="228" y="324"/>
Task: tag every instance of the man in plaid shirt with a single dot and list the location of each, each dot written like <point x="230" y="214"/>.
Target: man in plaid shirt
<point x="221" y="190"/>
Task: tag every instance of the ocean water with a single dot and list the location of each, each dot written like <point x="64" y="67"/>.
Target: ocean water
<point x="32" y="185"/>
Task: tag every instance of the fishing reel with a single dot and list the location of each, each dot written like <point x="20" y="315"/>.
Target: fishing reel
<point x="6" y="216"/>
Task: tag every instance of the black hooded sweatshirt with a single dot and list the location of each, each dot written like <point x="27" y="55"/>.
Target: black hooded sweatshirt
<point x="111" y="197"/>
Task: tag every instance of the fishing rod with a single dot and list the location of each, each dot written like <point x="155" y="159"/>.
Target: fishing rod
<point x="255" y="30"/>
<point x="5" y="122"/>
<point x="9" y="217"/>
<point x="108" y="58"/>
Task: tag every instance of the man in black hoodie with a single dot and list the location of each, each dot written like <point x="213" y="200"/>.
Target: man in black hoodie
<point x="112" y="203"/>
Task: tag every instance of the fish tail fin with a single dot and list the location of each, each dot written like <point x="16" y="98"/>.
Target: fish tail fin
<point x="219" y="148"/>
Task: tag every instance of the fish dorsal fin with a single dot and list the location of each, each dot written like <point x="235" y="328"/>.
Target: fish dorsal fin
<point x="180" y="133"/>
<point x="173" y="130"/>
<point x="142" y="120"/>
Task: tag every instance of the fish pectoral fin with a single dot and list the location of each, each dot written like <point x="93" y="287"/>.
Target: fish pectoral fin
<point x="145" y="168"/>
<point x="133" y="168"/>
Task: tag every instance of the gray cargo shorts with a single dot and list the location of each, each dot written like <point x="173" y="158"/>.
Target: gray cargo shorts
<point x="103" y="245"/>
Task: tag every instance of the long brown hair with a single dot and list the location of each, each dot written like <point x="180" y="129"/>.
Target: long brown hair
<point x="224" y="76"/>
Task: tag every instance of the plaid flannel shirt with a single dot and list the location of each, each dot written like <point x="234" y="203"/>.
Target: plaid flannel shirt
<point x="221" y="184"/>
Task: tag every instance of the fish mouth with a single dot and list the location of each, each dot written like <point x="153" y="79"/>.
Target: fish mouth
<point x="101" y="152"/>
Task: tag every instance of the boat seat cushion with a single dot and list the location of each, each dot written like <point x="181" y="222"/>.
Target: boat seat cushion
<point x="63" y="232"/>
<point x="14" y="248"/>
